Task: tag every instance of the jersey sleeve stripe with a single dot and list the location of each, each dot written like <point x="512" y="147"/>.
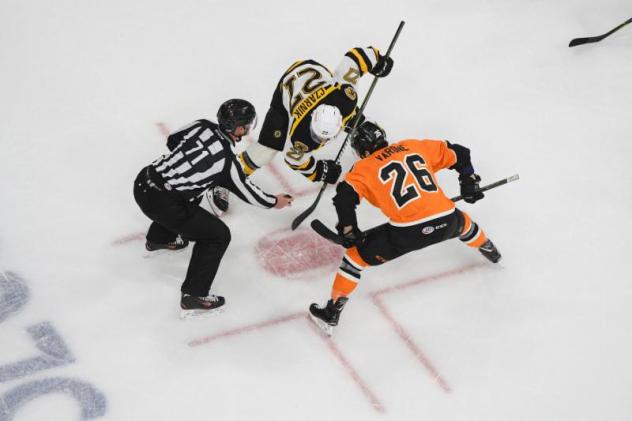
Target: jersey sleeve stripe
<point x="353" y="58"/>
<point x="377" y="52"/>
<point x="246" y="163"/>
<point x="305" y="165"/>
<point x="362" y="63"/>
<point x="369" y="63"/>
<point x="251" y="193"/>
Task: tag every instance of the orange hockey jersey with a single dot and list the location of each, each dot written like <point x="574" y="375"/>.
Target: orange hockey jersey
<point x="400" y="180"/>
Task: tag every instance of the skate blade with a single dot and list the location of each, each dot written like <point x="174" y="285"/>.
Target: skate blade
<point x="199" y="313"/>
<point x="160" y="252"/>
<point x="492" y="261"/>
<point x="328" y="329"/>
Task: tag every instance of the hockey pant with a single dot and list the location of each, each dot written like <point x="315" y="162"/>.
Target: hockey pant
<point x="388" y="242"/>
<point x="171" y="212"/>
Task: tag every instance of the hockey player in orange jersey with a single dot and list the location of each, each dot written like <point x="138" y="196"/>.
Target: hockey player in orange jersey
<point x="399" y="179"/>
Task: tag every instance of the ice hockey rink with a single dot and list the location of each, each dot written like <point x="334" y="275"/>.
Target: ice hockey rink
<point x="89" y="328"/>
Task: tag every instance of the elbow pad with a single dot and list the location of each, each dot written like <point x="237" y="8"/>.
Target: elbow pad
<point x="463" y="162"/>
<point x="345" y="202"/>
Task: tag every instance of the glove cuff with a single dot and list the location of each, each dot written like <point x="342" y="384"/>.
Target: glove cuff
<point x="469" y="177"/>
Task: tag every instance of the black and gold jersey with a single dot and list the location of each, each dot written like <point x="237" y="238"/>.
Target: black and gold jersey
<point x="305" y="85"/>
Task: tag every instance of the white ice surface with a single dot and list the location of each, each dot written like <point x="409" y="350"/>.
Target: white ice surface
<point x="544" y="336"/>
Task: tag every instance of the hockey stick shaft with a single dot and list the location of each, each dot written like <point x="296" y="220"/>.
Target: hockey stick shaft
<point x="368" y="94"/>
<point x="322" y="230"/>
<point x="301" y="217"/>
<point x="491" y="186"/>
<point x="587" y="40"/>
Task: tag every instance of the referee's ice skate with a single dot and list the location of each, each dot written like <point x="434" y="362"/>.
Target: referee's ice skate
<point x="199" y="307"/>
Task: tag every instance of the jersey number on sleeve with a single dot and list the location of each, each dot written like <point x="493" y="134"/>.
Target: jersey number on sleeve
<point x="397" y="170"/>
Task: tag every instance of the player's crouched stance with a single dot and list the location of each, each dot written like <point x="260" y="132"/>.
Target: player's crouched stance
<point x="399" y="179"/>
<point x="169" y="190"/>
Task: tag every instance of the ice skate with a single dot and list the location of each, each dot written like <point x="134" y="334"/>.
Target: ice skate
<point x="200" y="307"/>
<point x="327" y="317"/>
<point x="154" y="249"/>
<point x="218" y="200"/>
<point x="489" y="250"/>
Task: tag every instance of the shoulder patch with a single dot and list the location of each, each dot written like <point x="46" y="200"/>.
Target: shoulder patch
<point x="351" y="93"/>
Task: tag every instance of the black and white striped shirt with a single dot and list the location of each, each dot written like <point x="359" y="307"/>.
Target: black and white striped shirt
<point x="202" y="157"/>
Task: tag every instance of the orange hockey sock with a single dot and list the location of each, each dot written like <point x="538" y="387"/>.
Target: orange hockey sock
<point x="471" y="234"/>
<point x="342" y="287"/>
<point x="348" y="274"/>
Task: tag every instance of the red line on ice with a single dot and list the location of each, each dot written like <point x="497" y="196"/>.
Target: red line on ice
<point x="425" y="279"/>
<point x="353" y="373"/>
<point x="249" y="328"/>
<point x="403" y="334"/>
<point x="128" y="238"/>
<point x="417" y="352"/>
<point x="284" y="183"/>
<point x="375" y="402"/>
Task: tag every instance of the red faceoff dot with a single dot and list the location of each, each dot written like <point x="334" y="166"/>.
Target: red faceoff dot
<point x="298" y="254"/>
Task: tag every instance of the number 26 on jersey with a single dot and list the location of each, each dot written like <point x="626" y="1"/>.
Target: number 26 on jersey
<point x="397" y="172"/>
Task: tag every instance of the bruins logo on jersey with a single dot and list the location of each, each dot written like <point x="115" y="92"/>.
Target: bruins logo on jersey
<point x="297" y="150"/>
<point x="351" y="93"/>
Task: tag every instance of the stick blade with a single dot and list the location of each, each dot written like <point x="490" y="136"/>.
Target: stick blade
<point x="322" y="230"/>
<point x="581" y="41"/>
<point x="307" y="212"/>
<point x="303" y="215"/>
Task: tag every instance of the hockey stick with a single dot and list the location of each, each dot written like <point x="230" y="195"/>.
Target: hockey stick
<point x="586" y="40"/>
<point x="301" y="217"/>
<point x="491" y="186"/>
<point x="322" y="230"/>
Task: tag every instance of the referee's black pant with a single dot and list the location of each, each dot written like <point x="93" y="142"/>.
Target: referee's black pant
<point x="172" y="211"/>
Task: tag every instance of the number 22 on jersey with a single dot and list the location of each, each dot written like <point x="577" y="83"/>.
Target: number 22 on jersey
<point x="309" y="79"/>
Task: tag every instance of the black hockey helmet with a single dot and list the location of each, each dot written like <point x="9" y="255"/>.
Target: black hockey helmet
<point x="235" y="113"/>
<point x="368" y="138"/>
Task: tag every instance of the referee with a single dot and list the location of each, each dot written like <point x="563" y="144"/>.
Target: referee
<point x="168" y="190"/>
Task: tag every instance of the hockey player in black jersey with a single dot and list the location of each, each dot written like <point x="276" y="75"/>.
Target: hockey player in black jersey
<point x="310" y="106"/>
<point x="168" y="191"/>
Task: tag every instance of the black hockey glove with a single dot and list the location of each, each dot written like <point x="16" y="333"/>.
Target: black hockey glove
<point x="328" y="171"/>
<point x="383" y="66"/>
<point x="469" y="188"/>
<point x="350" y="235"/>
